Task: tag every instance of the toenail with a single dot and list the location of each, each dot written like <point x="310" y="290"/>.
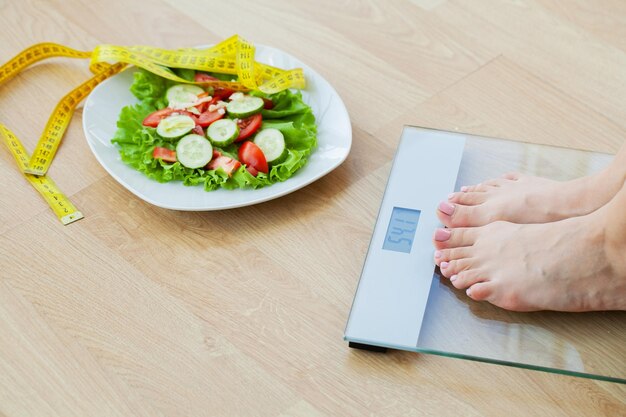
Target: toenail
<point x="450" y="196"/>
<point x="446" y="208"/>
<point x="442" y="235"/>
<point x="464" y="188"/>
<point x="453" y="278"/>
<point x="444" y="265"/>
<point x="438" y="254"/>
<point x="469" y="292"/>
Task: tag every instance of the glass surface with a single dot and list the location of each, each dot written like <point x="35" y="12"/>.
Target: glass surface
<point x="591" y="345"/>
<point x="401" y="230"/>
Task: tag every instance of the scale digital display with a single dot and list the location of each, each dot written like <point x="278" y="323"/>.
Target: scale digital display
<point x="401" y="230"/>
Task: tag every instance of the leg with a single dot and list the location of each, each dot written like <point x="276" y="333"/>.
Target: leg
<point x="576" y="264"/>
<point x="525" y="199"/>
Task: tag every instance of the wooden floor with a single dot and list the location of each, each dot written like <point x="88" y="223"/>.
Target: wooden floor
<point x="140" y="311"/>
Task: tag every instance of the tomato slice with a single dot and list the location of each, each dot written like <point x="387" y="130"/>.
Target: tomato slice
<point x="165" y="154"/>
<point x="153" y="119"/>
<point x="208" y="117"/>
<point x="248" y="126"/>
<point x="268" y="104"/>
<point x="251" y="155"/>
<point x="198" y="130"/>
<point x="220" y="93"/>
<point x="201" y="77"/>
<point x="252" y="171"/>
<point x="229" y="165"/>
<point x="202" y="107"/>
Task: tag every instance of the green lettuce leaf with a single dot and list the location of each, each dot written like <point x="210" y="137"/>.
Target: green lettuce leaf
<point x="185" y="74"/>
<point x="149" y="88"/>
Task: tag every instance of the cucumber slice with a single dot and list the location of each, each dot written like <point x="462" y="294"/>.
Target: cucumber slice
<point x="175" y="126"/>
<point x="245" y="106"/>
<point x="272" y="143"/>
<point x="222" y="132"/>
<point x="181" y="94"/>
<point x="194" y="151"/>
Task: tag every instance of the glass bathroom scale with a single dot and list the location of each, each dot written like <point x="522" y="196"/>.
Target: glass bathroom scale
<point x="403" y="303"/>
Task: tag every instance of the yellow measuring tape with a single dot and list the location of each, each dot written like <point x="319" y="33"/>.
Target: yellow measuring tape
<point x="232" y="56"/>
<point x="62" y="207"/>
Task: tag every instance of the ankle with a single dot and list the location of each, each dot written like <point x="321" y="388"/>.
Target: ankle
<point x="610" y="180"/>
<point x="615" y="244"/>
<point x="592" y="192"/>
<point x="612" y="237"/>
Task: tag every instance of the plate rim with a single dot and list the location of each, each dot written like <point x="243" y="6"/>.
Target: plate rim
<point x="244" y="203"/>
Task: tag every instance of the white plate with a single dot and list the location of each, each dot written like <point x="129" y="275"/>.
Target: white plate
<point x="334" y="137"/>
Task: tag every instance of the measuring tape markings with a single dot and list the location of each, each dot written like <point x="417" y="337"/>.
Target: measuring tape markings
<point x="194" y="59"/>
<point x="60" y="204"/>
<point x="191" y="58"/>
<point x="117" y="53"/>
<point x="157" y="61"/>
<point x="59" y="120"/>
<point x="35" y="54"/>
<point x="214" y="59"/>
<point x="245" y="64"/>
<point x="289" y="79"/>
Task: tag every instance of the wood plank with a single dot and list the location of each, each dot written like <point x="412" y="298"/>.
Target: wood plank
<point x="550" y="47"/>
<point x="41" y="373"/>
<point x="603" y="19"/>
<point x="504" y="99"/>
<point x="145" y="339"/>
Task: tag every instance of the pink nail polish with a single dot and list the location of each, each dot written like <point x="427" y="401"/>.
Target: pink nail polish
<point x="446" y="208"/>
<point x="453" y="278"/>
<point x="441" y="235"/>
<point x="464" y="188"/>
<point x="444" y="265"/>
<point x="450" y="196"/>
<point x="438" y="254"/>
<point x="469" y="292"/>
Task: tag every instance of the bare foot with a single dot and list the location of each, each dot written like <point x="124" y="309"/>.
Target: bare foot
<point x="526" y="199"/>
<point x="577" y="264"/>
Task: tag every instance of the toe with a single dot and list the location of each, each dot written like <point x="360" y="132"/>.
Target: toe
<point x="480" y="291"/>
<point x="471" y="188"/>
<point x="455" y="238"/>
<point x="467" y="198"/>
<point x="514" y="176"/>
<point x="448" y="255"/>
<point x="496" y="182"/>
<point x="467" y="278"/>
<point x="446" y="208"/>
<point x="482" y="188"/>
<point x="441" y="235"/>
<point x="457" y="215"/>
<point x="448" y="269"/>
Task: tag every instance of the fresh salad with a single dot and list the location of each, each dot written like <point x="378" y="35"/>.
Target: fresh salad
<point x="213" y="136"/>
